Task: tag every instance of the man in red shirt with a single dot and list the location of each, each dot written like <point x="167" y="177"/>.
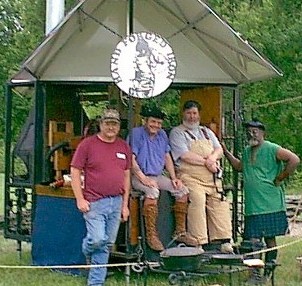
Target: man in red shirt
<point x="105" y="161"/>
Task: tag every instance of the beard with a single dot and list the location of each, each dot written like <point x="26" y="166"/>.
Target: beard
<point x="190" y="126"/>
<point x="254" y="142"/>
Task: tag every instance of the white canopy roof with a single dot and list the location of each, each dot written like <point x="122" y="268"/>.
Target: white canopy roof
<point x="207" y="49"/>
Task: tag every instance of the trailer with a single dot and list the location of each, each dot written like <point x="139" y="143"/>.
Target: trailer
<point x="70" y="71"/>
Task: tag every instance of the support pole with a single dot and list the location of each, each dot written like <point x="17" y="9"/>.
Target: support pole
<point x="54" y="14"/>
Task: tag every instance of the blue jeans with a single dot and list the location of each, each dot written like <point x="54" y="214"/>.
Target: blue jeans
<point x="102" y="224"/>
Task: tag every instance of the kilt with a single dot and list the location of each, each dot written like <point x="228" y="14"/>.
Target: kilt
<point x="265" y="225"/>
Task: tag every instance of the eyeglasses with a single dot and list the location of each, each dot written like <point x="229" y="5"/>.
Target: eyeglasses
<point x="111" y="123"/>
<point x="253" y="131"/>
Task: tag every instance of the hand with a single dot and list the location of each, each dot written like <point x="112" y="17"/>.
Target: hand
<point x="277" y="182"/>
<point x="281" y="177"/>
<point x="210" y="160"/>
<point x="125" y="214"/>
<point x="83" y="205"/>
<point x="211" y="166"/>
<point x="177" y="184"/>
<point x="149" y="182"/>
<point x="224" y="147"/>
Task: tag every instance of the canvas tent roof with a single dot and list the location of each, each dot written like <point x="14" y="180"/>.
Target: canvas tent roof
<point x="207" y="49"/>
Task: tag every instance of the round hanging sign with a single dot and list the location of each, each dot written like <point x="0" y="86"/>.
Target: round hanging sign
<point x="143" y="65"/>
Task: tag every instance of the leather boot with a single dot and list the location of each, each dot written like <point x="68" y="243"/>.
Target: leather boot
<point x="180" y="212"/>
<point x="150" y="213"/>
<point x="270" y="262"/>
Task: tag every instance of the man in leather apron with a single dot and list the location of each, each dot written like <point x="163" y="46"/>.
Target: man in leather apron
<point x="196" y="152"/>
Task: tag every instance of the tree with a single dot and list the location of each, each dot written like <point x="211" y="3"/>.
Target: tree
<point x="21" y="28"/>
<point x="274" y="28"/>
<point x="22" y="25"/>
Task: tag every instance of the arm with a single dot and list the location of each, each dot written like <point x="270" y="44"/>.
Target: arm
<point x="235" y="162"/>
<point x="136" y="170"/>
<point x="291" y="162"/>
<point x="138" y="173"/>
<point x="193" y="158"/>
<point x="215" y="155"/>
<point x="211" y="161"/>
<point x="169" y="165"/>
<point x="127" y="185"/>
<point x="180" y="149"/>
<point x="82" y="204"/>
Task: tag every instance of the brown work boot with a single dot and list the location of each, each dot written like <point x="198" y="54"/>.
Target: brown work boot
<point x="150" y="213"/>
<point x="180" y="212"/>
<point x="187" y="239"/>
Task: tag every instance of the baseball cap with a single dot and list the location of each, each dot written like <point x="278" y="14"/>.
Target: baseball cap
<point x="110" y="115"/>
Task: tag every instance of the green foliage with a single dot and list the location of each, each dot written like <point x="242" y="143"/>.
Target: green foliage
<point x="1" y="157"/>
<point x="284" y="275"/>
<point x="94" y="109"/>
<point x="168" y="102"/>
<point x="294" y="185"/>
<point x="274" y="27"/>
<point x="21" y="28"/>
<point x="70" y="4"/>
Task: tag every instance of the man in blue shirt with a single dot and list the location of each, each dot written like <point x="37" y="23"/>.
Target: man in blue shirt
<point x="151" y="156"/>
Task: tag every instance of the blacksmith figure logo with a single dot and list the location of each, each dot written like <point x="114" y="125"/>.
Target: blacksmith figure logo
<point x="143" y="65"/>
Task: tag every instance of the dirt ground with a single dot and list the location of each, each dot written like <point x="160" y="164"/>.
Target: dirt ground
<point x="295" y="229"/>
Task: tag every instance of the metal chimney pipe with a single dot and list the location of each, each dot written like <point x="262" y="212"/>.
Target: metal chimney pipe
<point x="54" y="14"/>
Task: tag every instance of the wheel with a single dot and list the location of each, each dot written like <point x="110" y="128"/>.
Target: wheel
<point x="173" y="279"/>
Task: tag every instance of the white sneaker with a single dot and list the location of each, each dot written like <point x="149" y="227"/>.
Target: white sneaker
<point x="226" y="248"/>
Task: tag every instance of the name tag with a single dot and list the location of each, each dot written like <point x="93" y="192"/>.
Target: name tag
<point x="121" y="156"/>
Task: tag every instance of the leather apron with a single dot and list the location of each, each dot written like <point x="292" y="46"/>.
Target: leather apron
<point x="208" y="214"/>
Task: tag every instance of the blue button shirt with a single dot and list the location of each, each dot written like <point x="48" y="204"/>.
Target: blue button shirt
<point x="150" y="152"/>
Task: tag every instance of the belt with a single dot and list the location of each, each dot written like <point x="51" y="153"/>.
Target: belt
<point x="113" y="196"/>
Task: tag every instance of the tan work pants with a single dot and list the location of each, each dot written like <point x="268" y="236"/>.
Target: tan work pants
<point x="209" y="217"/>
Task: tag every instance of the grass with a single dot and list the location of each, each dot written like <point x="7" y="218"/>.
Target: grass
<point x="289" y="273"/>
<point x="294" y="185"/>
<point x="1" y="195"/>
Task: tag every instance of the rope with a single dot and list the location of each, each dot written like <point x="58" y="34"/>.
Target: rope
<point x="78" y="266"/>
<point x="146" y="263"/>
<point x="100" y="23"/>
<point x="273" y="102"/>
<point x="273" y="248"/>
